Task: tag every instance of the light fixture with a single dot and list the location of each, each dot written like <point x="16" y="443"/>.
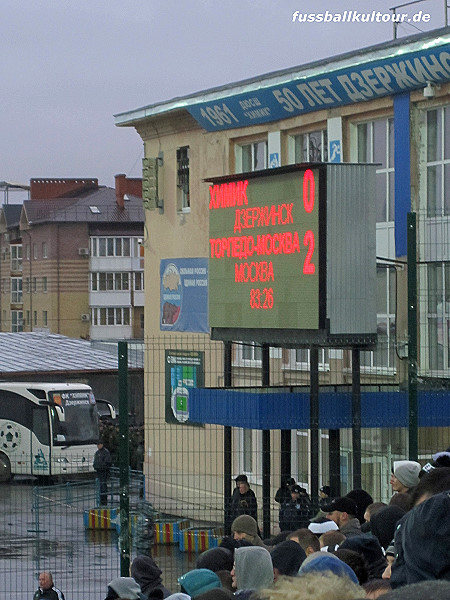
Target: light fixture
<point x="429" y="91"/>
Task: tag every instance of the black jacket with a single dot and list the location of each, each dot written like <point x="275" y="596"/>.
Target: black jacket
<point x="244" y="504"/>
<point x="422" y="542"/>
<point x="102" y="460"/>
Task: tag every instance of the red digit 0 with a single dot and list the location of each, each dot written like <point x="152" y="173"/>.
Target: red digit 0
<point x="309" y="190"/>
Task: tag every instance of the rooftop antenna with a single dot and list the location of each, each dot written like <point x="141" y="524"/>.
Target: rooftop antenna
<point x="394" y="13"/>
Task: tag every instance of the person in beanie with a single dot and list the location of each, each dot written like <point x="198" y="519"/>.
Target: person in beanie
<point x="245" y="527"/>
<point x="362" y="499"/>
<point x="199" y="581"/>
<point x="405" y="475"/>
<point x="216" y="559"/>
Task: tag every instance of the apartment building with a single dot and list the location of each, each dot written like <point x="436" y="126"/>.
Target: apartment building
<point x="71" y="260"/>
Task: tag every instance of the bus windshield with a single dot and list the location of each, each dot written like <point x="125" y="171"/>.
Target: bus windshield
<point x="74" y="417"/>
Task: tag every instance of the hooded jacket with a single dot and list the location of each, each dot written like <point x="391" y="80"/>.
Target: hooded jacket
<point x="384" y="522"/>
<point x="148" y="575"/>
<point x="253" y="568"/>
<point x="422" y="542"/>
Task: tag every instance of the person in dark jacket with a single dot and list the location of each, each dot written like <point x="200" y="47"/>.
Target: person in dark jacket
<point x="422" y="543"/>
<point x="243" y="501"/>
<point x="102" y="464"/>
<point x="384" y="522"/>
<point x="46" y="590"/>
<point x="284" y="492"/>
<point x="296" y="513"/>
<point x="369" y="547"/>
<point x="148" y="575"/>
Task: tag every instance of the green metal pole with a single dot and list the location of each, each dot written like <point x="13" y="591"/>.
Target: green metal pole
<point x="124" y="461"/>
<point x="413" y="429"/>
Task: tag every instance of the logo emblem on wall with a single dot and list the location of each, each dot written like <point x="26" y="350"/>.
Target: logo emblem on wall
<point x="9" y="437"/>
<point x="172" y="293"/>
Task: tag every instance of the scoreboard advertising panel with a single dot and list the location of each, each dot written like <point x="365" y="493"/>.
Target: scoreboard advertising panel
<point x="267" y="257"/>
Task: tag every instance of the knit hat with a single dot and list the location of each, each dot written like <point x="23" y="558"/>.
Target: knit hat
<point x="198" y="581"/>
<point x="287" y="557"/>
<point x="407" y="472"/>
<point x="318" y="562"/>
<point x="124" y="587"/>
<point x="245" y="524"/>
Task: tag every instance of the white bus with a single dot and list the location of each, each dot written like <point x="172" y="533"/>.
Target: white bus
<point x="47" y="429"/>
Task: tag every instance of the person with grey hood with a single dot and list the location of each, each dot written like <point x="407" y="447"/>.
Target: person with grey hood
<point x="125" y="588"/>
<point x="252" y="571"/>
<point x="148" y="575"/>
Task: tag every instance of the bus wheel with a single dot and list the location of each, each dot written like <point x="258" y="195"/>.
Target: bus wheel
<point x="5" y="468"/>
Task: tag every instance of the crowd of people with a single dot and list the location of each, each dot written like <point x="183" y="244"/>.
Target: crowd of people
<point x="352" y="548"/>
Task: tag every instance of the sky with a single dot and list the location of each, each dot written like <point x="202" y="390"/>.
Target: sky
<point x="68" y="66"/>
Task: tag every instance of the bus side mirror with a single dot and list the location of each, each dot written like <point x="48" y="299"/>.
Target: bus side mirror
<point x="60" y="413"/>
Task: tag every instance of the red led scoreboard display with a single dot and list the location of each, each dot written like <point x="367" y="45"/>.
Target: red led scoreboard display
<point x="266" y="240"/>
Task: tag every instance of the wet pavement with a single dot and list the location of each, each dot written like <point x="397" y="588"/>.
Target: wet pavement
<point x="46" y="532"/>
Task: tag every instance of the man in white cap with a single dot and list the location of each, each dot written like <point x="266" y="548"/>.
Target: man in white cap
<point x="405" y="475"/>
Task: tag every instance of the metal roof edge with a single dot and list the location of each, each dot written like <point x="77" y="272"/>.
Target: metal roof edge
<point x="383" y="49"/>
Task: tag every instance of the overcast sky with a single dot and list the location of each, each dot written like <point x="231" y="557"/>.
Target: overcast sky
<point x="67" y="66"/>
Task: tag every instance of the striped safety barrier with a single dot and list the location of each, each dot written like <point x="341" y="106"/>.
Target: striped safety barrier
<point x="100" y="518"/>
<point x="167" y="532"/>
<point x="199" y="540"/>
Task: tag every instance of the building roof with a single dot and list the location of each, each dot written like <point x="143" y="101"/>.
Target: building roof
<point x="34" y="352"/>
<point x="98" y="206"/>
<point x="394" y="49"/>
<point x="12" y="214"/>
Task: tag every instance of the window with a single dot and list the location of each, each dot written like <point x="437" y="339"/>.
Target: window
<point x="251" y="157"/>
<point x="27" y="285"/>
<point x="111" y="316"/>
<point x="44" y="318"/>
<point x="111" y="246"/>
<point x="438" y="162"/>
<point x="16" y="258"/>
<point x="44" y="250"/>
<point x="310" y="147"/>
<point x="300" y="359"/>
<point x="35" y="317"/>
<point x="183" y="196"/>
<point x="27" y="252"/>
<point x="101" y="282"/>
<point x="16" y="290"/>
<point x="384" y="355"/>
<point x="439" y="315"/>
<point x="16" y="321"/>
<point x="44" y="284"/>
<point x="375" y="144"/>
<point x="35" y="251"/>
<point x="34" y="284"/>
<point x="139" y="281"/>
